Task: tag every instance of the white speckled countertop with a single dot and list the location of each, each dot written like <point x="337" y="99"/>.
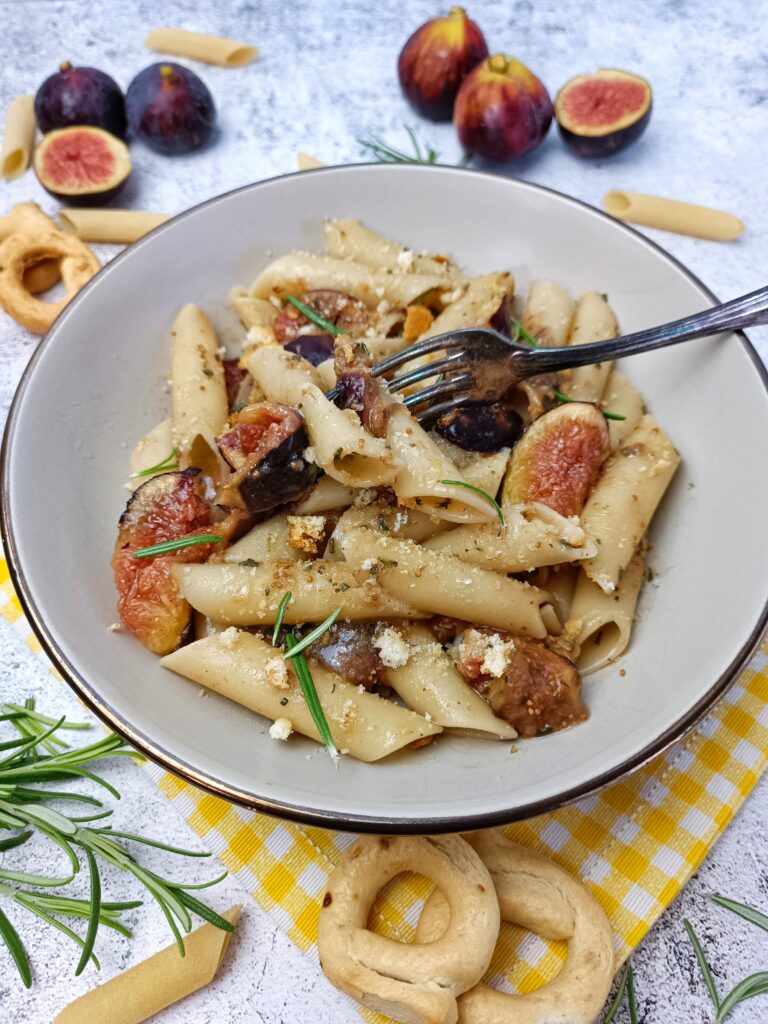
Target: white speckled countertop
<point x="326" y="77"/>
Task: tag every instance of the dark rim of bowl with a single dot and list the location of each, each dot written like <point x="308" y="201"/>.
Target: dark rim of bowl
<point x="310" y="816"/>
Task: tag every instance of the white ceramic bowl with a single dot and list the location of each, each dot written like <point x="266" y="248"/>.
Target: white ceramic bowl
<point x="97" y="383"/>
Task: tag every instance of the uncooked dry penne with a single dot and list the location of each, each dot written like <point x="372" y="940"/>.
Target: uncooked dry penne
<point x="300" y="272"/>
<point x="673" y="215"/>
<point x="154" y="449"/>
<point x="242" y="595"/>
<point x="241" y="666"/>
<point x="533" y="535"/>
<point x="429" y="684"/>
<point x="605" y="619"/>
<point x="350" y="240"/>
<point x="120" y="227"/>
<point x="623" y="398"/>
<point x="593" y="320"/>
<point x="198" y="392"/>
<point x="340" y="444"/>
<point x="227" y="53"/>
<point x="443" y="584"/>
<point x="548" y="313"/>
<point x="305" y="162"/>
<point x="622" y="504"/>
<point x="18" y="137"/>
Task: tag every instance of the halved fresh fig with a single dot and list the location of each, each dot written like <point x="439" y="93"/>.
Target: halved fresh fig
<point x="558" y="459"/>
<point x="265" y="448"/>
<point x="602" y="113"/>
<point x="82" y="165"/>
<point x="167" y="507"/>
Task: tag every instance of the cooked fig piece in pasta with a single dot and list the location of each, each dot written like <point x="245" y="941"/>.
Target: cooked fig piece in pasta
<point x="526" y="684"/>
<point x="347" y="649"/>
<point x="359" y="390"/>
<point x="481" y="426"/>
<point x="167" y="507"/>
<point x="265" y="449"/>
<point x="345" y="313"/>
<point x="315" y="348"/>
<point x="234" y="375"/>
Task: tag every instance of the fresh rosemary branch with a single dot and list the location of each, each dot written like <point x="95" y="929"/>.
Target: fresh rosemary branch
<point x="170" y="462"/>
<point x="383" y="153"/>
<point x="37" y="757"/>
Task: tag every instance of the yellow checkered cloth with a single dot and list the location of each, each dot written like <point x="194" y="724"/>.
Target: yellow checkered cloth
<point x="635" y="844"/>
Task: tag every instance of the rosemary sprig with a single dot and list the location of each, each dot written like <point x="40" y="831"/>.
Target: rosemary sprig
<point x="706" y="970"/>
<point x="310" y="314"/>
<point x="561" y="397"/>
<point x="386" y="154"/>
<point x="483" y="494"/>
<point x="307" y="684"/>
<point x="310" y="638"/>
<point x="751" y="914"/>
<point x="617" y="999"/>
<point x="38" y="757"/>
<point x="285" y="600"/>
<point x="175" y="545"/>
<point x="166" y="465"/>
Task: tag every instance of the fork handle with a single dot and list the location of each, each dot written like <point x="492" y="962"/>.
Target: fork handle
<point x="746" y="311"/>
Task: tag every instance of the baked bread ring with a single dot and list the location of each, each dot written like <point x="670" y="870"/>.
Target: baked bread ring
<point x="22" y="250"/>
<point x="416" y="984"/>
<point x="29" y="217"/>
<point x="537" y="894"/>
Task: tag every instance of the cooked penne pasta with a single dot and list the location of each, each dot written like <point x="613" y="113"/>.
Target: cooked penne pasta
<point x="422" y="469"/>
<point x="241" y="595"/>
<point x="560" y="584"/>
<point x="625" y="400"/>
<point x="396" y="522"/>
<point x="605" y="619"/>
<point x="18" y="138"/>
<point x="120" y="227"/>
<point x="327" y="494"/>
<point x="444" y="585"/>
<point x="300" y="272"/>
<point x="533" y="535"/>
<point x="340" y="444"/>
<point x="198" y="392"/>
<point x="254" y="312"/>
<point x="227" y="53"/>
<point x="480" y="470"/>
<point x="350" y="240"/>
<point x="548" y="313"/>
<point x="154" y="449"/>
<point x="622" y="504"/>
<point x="593" y="320"/>
<point x="240" y="666"/>
<point x="266" y="542"/>
<point x="476" y="304"/>
<point x="429" y="684"/>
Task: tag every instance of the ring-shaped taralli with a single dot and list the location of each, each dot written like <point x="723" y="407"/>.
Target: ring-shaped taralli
<point x="416" y="984"/>
<point x="29" y="217"/>
<point x="537" y="894"/>
<point x="24" y="249"/>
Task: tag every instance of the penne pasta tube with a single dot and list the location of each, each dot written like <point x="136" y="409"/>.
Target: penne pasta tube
<point x="154" y="449"/>
<point x="548" y="313"/>
<point x="593" y="321"/>
<point x="240" y="666"/>
<point x="625" y="498"/>
<point x="444" y="585"/>
<point x="624" y="399"/>
<point x="350" y="240"/>
<point x="672" y="215"/>
<point x="241" y="595"/>
<point x="396" y="522"/>
<point x="18" y="137"/>
<point x="533" y="535"/>
<point x="253" y="312"/>
<point x="477" y="304"/>
<point x="121" y="227"/>
<point x="327" y="494"/>
<point x="326" y="373"/>
<point x="605" y="620"/>
<point x="422" y="468"/>
<point x="483" y="471"/>
<point x="560" y="584"/>
<point x="198" y="391"/>
<point x="300" y="272"/>
<point x="305" y="162"/>
<point x="266" y="542"/>
<point x="226" y="53"/>
<point x="429" y="684"/>
<point x="339" y="442"/>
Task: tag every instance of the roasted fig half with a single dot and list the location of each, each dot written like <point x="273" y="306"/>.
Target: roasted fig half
<point x="265" y="448"/>
<point x="558" y="459"/>
<point x="167" y="507"/>
<point x="82" y="166"/>
<point x="481" y="426"/>
<point x="75" y="96"/>
<point x="600" y="114"/>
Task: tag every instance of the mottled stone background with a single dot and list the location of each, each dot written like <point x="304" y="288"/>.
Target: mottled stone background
<point x="326" y="78"/>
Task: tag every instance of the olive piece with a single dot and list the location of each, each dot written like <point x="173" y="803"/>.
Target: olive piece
<point x="315" y="348"/>
<point x="481" y="426"/>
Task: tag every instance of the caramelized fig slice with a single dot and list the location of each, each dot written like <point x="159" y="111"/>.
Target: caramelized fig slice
<point x="558" y="459"/>
<point x="265" y="448"/>
<point x="167" y="507"/>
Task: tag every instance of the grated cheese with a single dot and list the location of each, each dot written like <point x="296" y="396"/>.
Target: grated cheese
<point x="281" y="729"/>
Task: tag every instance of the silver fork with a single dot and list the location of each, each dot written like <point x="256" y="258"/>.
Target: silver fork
<point x="482" y="365"/>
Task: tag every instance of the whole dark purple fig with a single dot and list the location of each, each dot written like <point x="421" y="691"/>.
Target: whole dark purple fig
<point x="170" y="108"/>
<point x="80" y="96"/>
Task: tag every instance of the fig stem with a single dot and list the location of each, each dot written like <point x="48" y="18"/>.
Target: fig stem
<point x="457" y="12"/>
<point x="166" y="71"/>
<point x="498" y="62"/>
<point x="65" y="66"/>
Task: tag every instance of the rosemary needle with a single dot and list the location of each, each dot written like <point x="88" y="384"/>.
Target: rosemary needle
<point x="310" y="638"/>
<point x="310" y="314"/>
<point x="483" y="494"/>
<point x="175" y="545"/>
<point x="307" y="684"/>
<point x="561" y="397"/>
<point x="284" y="602"/>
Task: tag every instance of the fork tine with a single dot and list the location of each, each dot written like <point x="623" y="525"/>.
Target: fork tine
<point x="434" y="412"/>
<point x="421" y="348"/>
<point x="442" y="388"/>
<point x="448" y="364"/>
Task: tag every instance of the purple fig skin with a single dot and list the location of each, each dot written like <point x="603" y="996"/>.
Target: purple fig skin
<point x="74" y="96"/>
<point x="436" y="59"/>
<point x="602" y="113"/>
<point x="170" y="109"/>
<point x="503" y="111"/>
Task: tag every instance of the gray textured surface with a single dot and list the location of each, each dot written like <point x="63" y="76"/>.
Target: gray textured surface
<point x="326" y="76"/>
